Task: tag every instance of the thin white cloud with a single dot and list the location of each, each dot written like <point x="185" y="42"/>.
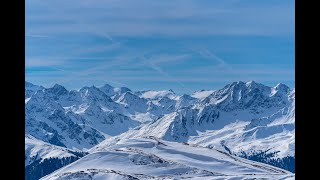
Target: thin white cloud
<point x="168" y="58"/>
<point x="36" y="36"/>
<point x="39" y="62"/>
<point x="200" y="80"/>
<point x="219" y="62"/>
<point x="170" y="18"/>
<point x="164" y="75"/>
<point x="99" y="48"/>
<point x="112" y="18"/>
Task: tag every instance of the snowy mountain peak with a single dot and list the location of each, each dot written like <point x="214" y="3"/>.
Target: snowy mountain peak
<point x="251" y="95"/>
<point x="239" y="119"/>
<point x="29" y="85"/>
<point x="239" y="84"/>
<point x="185" y="100"/>
<point x="122" y="90"/>
<point x="90" y="88"/>
<point x="156" y="94"/>
<point x="107" y="89"/>
<point x="113" y="91"/>
<point x="94" y="92"/>
<point x="30" y="89"/>
<point x="254" y="85"/>
<point x="58" y="87"/>
<point x="107" y="86"/>
<point x="282" y="87"/>
<point x="57" y="90"/>
<point x="242" y="83"/>
<point x="129" y="98"/>
<point x="251" y="83"/>
<point x="202" y="94"/>
<point x="133" y="101"/>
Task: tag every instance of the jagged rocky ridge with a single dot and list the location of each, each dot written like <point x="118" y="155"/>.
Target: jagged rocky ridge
<point x="240" y="119"/>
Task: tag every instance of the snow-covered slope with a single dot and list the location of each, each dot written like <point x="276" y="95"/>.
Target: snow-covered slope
<point x="42" y="158"/>
<point x="233" y="120"/>
<point x="36" y="149"/>
<point x="244" y="119"/>
<point x="202" y="94"/>
<point x="156" y="94"/>
<point x="151" y="158"/>
<point x="253" y="117"/>
<point x="133" y="103"/>
<point x="185" y="100"/>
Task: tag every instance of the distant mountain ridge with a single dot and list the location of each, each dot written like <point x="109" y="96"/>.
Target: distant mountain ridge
<point x="241" y="119"/>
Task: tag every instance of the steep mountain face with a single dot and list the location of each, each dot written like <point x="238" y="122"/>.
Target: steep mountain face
<point x="251" y="96"/>
<point x="185" y="101"/>
<point x="244" y="102"/>
<point x="178" y="125"/>
<point x="108" y="90"/>
<point x="74" y="119"/>
<point x="133" y="103"/>
<point x="47" y="120"/>
<point x="30" y="89"/>
<point x="243" y="119"/>
<point x="113" y="92"/>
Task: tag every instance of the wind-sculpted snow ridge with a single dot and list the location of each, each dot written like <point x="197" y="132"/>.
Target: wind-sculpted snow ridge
<point x="152" y="158"/>
<point x="245" y="119"/>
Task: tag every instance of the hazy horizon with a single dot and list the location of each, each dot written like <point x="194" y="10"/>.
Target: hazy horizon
<point x="135" y="90"/>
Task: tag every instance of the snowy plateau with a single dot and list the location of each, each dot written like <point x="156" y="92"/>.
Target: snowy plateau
<point x="245" y="130"/>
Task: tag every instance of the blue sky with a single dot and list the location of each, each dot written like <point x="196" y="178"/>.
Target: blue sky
<point x="184" y="45"/>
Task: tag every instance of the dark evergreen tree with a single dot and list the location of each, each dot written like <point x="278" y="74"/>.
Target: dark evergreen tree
<point x="287" y="163"/>
<point x="39" y="168"/>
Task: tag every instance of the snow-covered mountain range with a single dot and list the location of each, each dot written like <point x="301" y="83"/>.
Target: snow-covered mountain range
<point x="243" y="119"/>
